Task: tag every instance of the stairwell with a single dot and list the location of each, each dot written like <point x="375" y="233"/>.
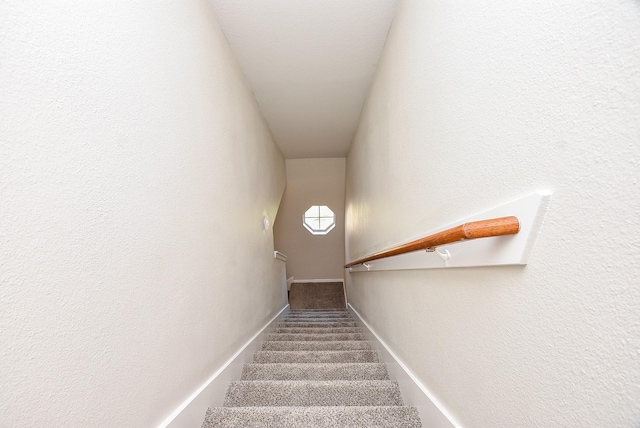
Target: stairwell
<point x="316" y="370"/>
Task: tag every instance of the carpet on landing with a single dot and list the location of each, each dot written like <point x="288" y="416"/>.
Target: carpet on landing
<point x="317" y="295"/>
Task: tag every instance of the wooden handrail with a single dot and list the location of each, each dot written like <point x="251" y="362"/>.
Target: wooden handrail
<point x="476" y="229"/>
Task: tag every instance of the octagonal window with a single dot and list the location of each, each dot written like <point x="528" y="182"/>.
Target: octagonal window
<point x="319" y="220"/>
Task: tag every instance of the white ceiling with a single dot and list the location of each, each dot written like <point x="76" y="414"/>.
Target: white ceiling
<point x="309" y="63"/>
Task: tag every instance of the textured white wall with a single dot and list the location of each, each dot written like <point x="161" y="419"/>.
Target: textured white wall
<point x="474" y="104"/>
<point x="312" y="182"/>
<point x="134" y="172"/>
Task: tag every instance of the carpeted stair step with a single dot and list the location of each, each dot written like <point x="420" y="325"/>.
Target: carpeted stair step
<point x="315" y="371"/>
<point x="320" y="417"/>
<point x="318" y="311"/>
<point x="318" y="320"/>
<point x="341" y="314"/>
<point x="318" y="316"/>
<point x="315" y="357"/>
<point x="319" y="324"/>
<point x="313" y="393"/>
<point x="311" y="330"/>
<point x="345" y="345"/>
<point x="315" y="337"/>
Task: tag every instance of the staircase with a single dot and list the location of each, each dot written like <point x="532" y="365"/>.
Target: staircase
<point x="316" y="370"/>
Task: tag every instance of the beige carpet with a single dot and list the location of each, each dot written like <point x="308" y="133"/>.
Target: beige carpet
<point x="317" y="295"/>
<point x="316" y="370"/>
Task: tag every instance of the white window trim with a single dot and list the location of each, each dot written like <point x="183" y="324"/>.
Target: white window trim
<point x="314" y="231"/>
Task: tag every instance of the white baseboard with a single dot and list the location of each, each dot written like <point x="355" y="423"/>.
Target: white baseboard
<point x="414" y="393"/>
<point x="190" y="414"/>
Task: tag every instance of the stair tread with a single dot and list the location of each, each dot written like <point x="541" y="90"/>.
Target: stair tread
<point x="319" y="311"/>
<point x="319" y="324"/>
<point x="315" y="371"/>
<point x="313" y="393"/>
<point x="324" y="330"/>
<point x="319" y="315"/>
<point x="315" y="336"/>
<point x="317" y="345"/>
<point x="321" y="417"/>
<point x="325" y="315"/>
<point x="349" y="356"/>
<point x="318" y="319"/>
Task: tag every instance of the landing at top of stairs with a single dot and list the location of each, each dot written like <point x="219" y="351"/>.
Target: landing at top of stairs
<point x="317" y="295"/>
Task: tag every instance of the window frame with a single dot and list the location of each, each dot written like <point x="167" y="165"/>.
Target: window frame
<point x="319" y="218"/>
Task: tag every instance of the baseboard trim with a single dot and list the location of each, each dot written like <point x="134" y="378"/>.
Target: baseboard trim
<point x="432" y="412"/>
<point x="314" y="281"/>
<point x="191" y="412"/>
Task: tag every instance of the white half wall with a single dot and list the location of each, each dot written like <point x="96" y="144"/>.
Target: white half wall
<point x="312" y="182"/>
<point x="475" y="104"/>
<point x="135" y="169"/>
